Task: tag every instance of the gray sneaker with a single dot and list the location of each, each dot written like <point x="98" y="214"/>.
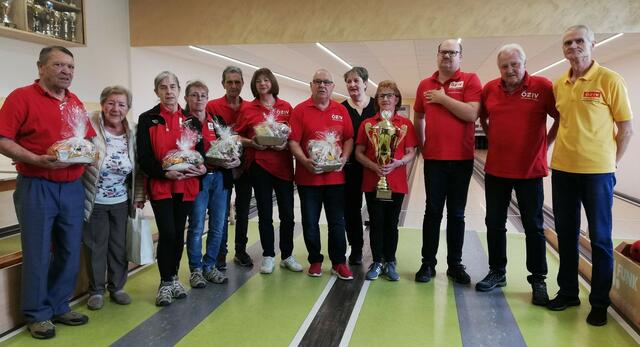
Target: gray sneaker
<point x="165" y="294"/>
<point x="120" y="297"/>
<point x="95" y="302"/>
<point x="178" y="291"/>
<point x="71" y="318"/>
<point x="216" y="276"/>
<point x="42" y="330"/>
<point x="196" y="280"/>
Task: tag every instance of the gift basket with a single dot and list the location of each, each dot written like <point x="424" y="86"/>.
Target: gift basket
<point x="74" y="148"/>
<point x="185" y="156"/>
<point x="270" y="132"/>
<point x="226" y="148"/>
<point x="326" y="151"/>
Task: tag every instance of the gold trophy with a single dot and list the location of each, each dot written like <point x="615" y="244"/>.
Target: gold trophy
<point x="384" y="137"/>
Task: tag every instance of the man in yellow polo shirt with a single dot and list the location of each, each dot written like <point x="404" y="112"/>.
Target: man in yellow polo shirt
<point x="595" y="129"/>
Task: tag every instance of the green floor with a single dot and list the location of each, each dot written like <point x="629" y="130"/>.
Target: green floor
<point x="269" y="309"/>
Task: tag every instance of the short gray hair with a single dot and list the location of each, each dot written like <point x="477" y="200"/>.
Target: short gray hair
<point x="161" y="76"/>
<point x="511" y="47"/>
<point x="115" y="90"/>
<point x="590" y="35"/>
<point x="231" y="69"/>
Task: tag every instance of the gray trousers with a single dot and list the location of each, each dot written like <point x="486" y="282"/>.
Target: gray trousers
<point x="104" y="237"/>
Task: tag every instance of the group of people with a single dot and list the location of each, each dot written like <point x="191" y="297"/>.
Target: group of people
<point x="591" y="128"/>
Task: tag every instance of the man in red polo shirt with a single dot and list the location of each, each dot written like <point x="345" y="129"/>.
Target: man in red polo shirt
<point x="49" y="196"/>
<point x="446" y="109"/>
<point x="309" y="120"/>
<point x="514" y="117"/>
<point x="228" y="107"/>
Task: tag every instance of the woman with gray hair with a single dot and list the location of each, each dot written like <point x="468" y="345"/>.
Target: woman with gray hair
<point x="113" y="189"/>
<point x="171" y="192"/>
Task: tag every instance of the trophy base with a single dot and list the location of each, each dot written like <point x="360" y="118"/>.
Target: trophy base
<point x="383" y="195"/>
<point x="9" y="25"/>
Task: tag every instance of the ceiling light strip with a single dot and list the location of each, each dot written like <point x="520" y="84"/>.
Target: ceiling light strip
<point x="609" y="39"/>
<point x="240" y="62"/>
<point x="336" y="57"/>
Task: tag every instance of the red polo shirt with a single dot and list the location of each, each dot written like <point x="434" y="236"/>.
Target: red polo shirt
<point x="397" y="179"/>
<point x="220" y="107"/>
<point x="446" y="136"/>
<point x="32" y="118"/>
<point x="308" y="123"/>
<point x="518" y="127"/>
<point x="277" y="163"/>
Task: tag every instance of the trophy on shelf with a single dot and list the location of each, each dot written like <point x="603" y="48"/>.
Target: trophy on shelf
<point x="49" y="14"/>
<point x="5" y="6"/>
<point x="71" y="33"/>
<point x="385" y="137"/>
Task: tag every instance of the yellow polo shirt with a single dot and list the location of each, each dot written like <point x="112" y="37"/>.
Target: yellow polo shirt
<point x="589" y="108"/>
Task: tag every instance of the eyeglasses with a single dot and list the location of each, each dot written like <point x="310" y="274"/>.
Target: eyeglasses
<point x="386" y="96"/>
<point x="449" y="53"/>
<point x="320" y="82"/>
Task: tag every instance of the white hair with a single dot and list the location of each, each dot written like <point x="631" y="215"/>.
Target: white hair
<point x="512" y="47"/>
<point x="588" y="32"/>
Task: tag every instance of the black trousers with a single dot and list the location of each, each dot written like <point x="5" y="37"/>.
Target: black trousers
<point x="529" y="193"/>
<point x="171" y="217"/>
<point x="383" y="225"/>
<point x="353" y="207"/>
<point x="264" y="184"/>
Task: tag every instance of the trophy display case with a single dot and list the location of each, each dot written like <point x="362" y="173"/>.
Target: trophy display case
<point x="50" y="22"/>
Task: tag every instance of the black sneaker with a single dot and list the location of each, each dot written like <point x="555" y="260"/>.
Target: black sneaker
<point x="425" y="273"/>
<point x="494" y="279"/>
<point x="458" y="275"/>
<point x="561" y="302"/>
<point x="597" y="316"/>
<point x="221" y="262"/>
<point x="539" y="294"/>
<point x="243" y="259"/>
<point x="355" y="259"/>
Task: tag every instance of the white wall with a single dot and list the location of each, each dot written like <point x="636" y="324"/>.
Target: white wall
<point x="104" y="61"/>
<point x="629" y="167"/>
<point x="149" y="62"/>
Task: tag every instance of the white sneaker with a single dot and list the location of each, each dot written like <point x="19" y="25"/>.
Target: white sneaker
<point x="268" y="263"/>
<point x="291" y="264"/>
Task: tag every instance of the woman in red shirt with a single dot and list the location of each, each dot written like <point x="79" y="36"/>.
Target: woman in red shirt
<point x="171" y="192"/>
<point x="270" y="169"/>
<point x="384" y="215"/>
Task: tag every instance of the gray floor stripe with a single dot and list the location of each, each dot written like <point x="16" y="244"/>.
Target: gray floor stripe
<point x="172" y="323"/>
<point x="485" y="318"/>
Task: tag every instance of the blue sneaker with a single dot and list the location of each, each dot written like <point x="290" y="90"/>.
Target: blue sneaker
<point x="390" y="271"/>
<point x="375" y="270"/>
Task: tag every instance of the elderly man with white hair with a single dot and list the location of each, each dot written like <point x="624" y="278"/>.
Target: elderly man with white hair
<point x="514" y="114"/>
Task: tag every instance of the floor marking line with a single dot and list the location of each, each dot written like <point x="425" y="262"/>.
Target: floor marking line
<point x="346" y="337"/>
<point x="312" y="313"/>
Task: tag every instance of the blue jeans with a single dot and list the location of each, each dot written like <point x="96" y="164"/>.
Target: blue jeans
<point x="312" y="198"/>
<point x="445" y="181"/>
<point x="595" y="193"/>
<point x="212" y="199"/>
<point x="51" y="218"/>
<point x="530" y="195"/>
<point x="264" y="185"/>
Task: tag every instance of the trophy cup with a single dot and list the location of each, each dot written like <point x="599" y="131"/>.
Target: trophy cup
<point x="71" y="34"/>
<point x="384" y="137"/>
<point x="5" y="6"/>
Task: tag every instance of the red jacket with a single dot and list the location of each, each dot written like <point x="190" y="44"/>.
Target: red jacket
<point x="158" y="131"/>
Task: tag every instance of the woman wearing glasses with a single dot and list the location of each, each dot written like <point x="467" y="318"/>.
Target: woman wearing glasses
<point x="270" y="168"/>
<point x="360" y="107"/>
<point x="384" y="214"/>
